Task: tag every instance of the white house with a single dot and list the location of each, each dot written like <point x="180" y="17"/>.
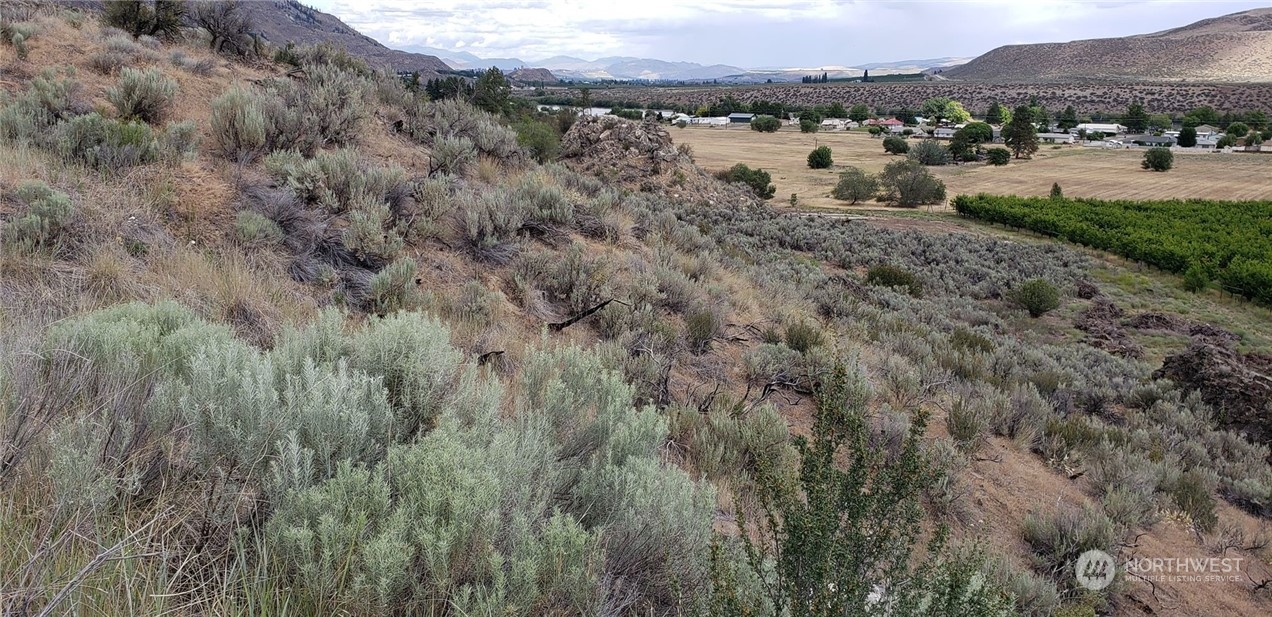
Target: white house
<point x="1205" y="130"/>
<point x="1057" y="138"/>
<point x="1107" y="129"/>
<point x="833" y="124"/>
<point x="944" y="133"/>
<point x="720" y="121"/>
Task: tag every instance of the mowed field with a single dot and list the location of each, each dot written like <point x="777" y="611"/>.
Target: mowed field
<point x="1081" y="172"/>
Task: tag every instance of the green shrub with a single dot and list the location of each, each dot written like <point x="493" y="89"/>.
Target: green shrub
<point x="48" y="213"/>
<point x="178" y="141"/>
<point x="929" y="152"/>
<point x="759" y="180"/>
<point x="1192" y="492"/>
<point x="539" y="139"/>
<point x="452" y="155"/>
<point x="702" y="326"/>
<point x="803" y="336"/>
<point x="17" y="34"/>
<point x="241" y="126"/>
<point x="1037" y="296"/>
<point x="820" y="158"/>
<point x="413" y="356"/>
<point x="765" y="124"/>
<point x="893" y="144"/>
<point x="1196" y="278"/>
<point x="339" y="181"/>
<point x="252" y="227"/>
<point x="908" y="183"/>
<point x="1056" y="192"/>
<point x="855" y="185"/>
<point x="393" y="288"/>
<point x="488" y="223"/>
<point x="142" y="95"/>
<point x="161" y="18"/>
<point x="106" y="144"/>
<point x="885" y="275"/>
<point x="808" y="125"/>
<point x="459" y="122"/>
<point x="998" y="156"/>
<point x="966" y="424"/>
<point x="1158" y="159"/>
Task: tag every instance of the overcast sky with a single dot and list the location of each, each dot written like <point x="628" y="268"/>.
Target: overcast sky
<point x="762" y="33"/>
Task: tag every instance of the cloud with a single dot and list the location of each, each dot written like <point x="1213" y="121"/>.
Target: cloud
<point x="754" y="33"/>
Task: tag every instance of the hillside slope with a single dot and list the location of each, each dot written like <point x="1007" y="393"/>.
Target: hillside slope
<point x="1236" y="47"/>
<point x="281" y="21"/>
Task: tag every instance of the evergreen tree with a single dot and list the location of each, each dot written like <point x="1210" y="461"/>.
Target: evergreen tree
<point x="994" y="115"/>
<point x="1187" y="138"/>
<point x="1020" y="135"/>
<point x="1136" y="119"/>
<point x="492" y="92"/>
<point x="1068" y="119"/>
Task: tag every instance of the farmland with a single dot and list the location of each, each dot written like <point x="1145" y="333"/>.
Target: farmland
<point x="1082" y="172"/>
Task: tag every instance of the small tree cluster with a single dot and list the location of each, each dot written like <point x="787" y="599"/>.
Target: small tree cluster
<point x="765" y="124"/>
<point x="757" y="179"/>
<point x="1158" y="159"/>
<point x="908" y="183"/>
<point x="820" y="158"/>
<point x="855" y="185"/>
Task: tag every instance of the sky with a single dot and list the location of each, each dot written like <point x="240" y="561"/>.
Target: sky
<point x="758" y="33"/>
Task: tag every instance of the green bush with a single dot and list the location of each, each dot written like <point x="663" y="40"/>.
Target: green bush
<point x="458" y="122"/>
<point x="393" y="288"/>
<point x="106" y="144"/>
<point x="808" y="125"/>
<point x="998" y="156"/>
<point x="539" y="139"/>
<point x="855" y="185"/>
<point x="48" y="213"/>
<point x="1192" y="493"/>
<point x="16" y="34"/>
<point x="820" y="158"/>
<point x="142" y="95"/>
<point x="1059" y="538"/>
<point x="339" y="181"/>
<point x="1037" y="296"/>
<point x="160" y="18"/>
<point x="930" y="152"/>
<point x="893" y="144"/>
<point x="702" y="326"/>
<point x="759" y="180"/>
<point x="252" y="227"/>
<point x="885" y="275"/>
<point x="908" y="183"/>
<point x="1056" y="192"/>
<point x="241" y="125"/>
<point x="1158" y="159"/>
<point x="1196" y="278"/>
<point x="765" y="124"/>
<point x="803" y="336"/>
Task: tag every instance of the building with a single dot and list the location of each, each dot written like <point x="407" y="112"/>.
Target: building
<point x="1205" y="130"/>
<point x="1151" y="140"/>
<point x="718" y="121"/>
<point x="741" y="118"/>
<point x="1057" y="138"/>
<point x="944" y="133"/>
<point x="835" y="124"/>
<point x="1107" y="129"/>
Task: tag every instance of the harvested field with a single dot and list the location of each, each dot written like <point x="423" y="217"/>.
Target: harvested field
<point x="1080" y="171"/>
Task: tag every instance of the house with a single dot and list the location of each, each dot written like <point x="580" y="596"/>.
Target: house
<point x="1205" y="130"/>
<point x="741" y="118"/>
<point x="1209" y="143"/>
<point x="944" y="133"/>
<point x="719" y="121"/>
<point x="675" y="118"/>
<point x="833" y="124"/>
<point x="1151" y="140"/>
<point x="1107" y="129"/>
<point x="1057" y="138"/>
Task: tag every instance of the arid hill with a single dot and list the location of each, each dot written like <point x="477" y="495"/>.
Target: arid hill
<point x="1235" y="48"/>
<point x="288" y="20"/>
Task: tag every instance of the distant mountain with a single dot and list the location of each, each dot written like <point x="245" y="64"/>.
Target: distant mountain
<point x="280" y="21"/>
<point x="1233" y="48"/>
<point x="916" y="65"/>
<point x="468" y="60"/>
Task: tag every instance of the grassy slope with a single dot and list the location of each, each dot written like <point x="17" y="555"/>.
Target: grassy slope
<point x="194" y="204"/>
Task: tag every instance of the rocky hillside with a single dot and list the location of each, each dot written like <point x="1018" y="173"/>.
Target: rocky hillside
<point x="281" y="21"/>
<point x="1234" y="48"/>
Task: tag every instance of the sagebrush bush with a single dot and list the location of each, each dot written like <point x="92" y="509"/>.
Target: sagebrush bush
<point x="51" y="97"/>
<point x="143" y="95"/>
<point x="393" y="288"/>
<point x="241" y="127"/>
<point x="803" y="336"/>
<point x="48" y="212"/>
<point x="488" y="223"/>
<point x="1058" y="538"/>
<point x="106" y="144"/>
<point x="702" y="326"/>
<point x="460" y="124"/>
<point x="16" y="35"/>
<point x="252" y="227"/>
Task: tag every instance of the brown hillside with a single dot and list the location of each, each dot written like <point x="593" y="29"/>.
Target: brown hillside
<point x="1235" y="47"/>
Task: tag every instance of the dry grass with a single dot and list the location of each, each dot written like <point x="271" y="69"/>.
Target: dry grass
<point x="1081" y="172"/>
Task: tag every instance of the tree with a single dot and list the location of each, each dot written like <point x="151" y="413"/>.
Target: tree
<point x="1158" y="159"/>
<point x="994" y="115"/>
<point x="808" y="126"/>
<point x="976" y="133"/>
<point x="1136" y="119"/>
<point x="1036" y="296"/>
<point x="492" y="91"/>
<point x="539" y="138"/>
<point x="998" y="156"/>
<point x="1187" y="137"/>
<point x="836" y="110"/>
<point x="1257" y="120"/>
<point x="229" y="27"/>
<point x="1201" y="115"/>
<point x="820" y="158"/>
<point x="943" y="108"/>
<point x="855" y="185"/>
<point x="1227" y="141"/>
<point x="758" y="180"/>
<point x="908" y="183"/>
<point x="859" y="113"/>
<point x="875" y="131"/>
<point x="930" y="152"/>
<point x="1160" y="122"/>
<point x="1236" y="129"/>
<point x="1056" y="192"/>
<point x="1068" y="119"/>
<point x="1020" y="135"/>
<point x="765" y="124"/>
<point x="161" y="18"/>
<point x="895" y="145"/>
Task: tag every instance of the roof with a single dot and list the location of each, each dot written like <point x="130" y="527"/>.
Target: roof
<point x="1206" y="128"/>
<point x="891" y="122"/>
<point x="1151" y="139"/>
<point x="741" y="115"/>
<point x="1055" y="136"/>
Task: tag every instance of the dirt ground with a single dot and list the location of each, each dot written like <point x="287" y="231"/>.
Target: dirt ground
<point x="1080" y="171"/>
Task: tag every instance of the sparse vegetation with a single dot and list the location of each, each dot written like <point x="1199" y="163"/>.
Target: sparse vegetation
<point x="820" y="158"/>
<point x="758" y="180"/>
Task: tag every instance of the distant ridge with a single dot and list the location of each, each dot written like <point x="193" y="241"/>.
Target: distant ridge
<point x="1231" y="48"/>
